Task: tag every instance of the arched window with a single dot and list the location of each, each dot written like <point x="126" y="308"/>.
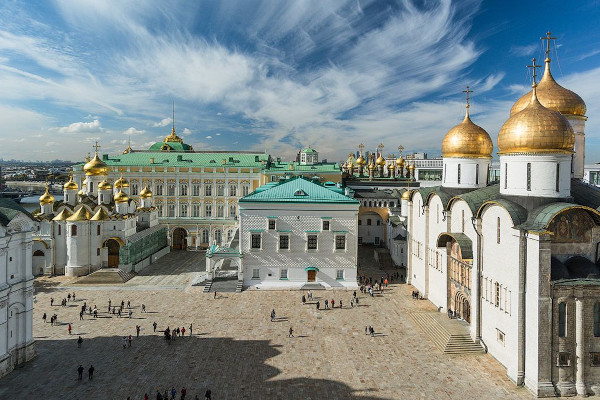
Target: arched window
<point x="218" y="236"/>
<point x="498" y="231"/>
<point x="558" y="177"/>
<point x="204" y="236"/>
<point x="477" y="174"/>
<point x="59" y="230"/>
<point x="528" y="176"/>
<point x="98" y="230"/>
<point x="73" y="230"/>
<point x="458" y="173"/>
<point x="39" y="253"/>
<point x="597" y="319"/>
<point x="562" y="320"/>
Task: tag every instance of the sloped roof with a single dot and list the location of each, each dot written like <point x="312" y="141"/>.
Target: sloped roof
<point x="281" y="166"/>
<point x="9" y="210"/>
<point x="192" y="159"/>
<point x="540" y="218"/>
<point x="476" y="198"/>
<point x="516" y="212"/>
<point x="585" y="194"/>
<point x="297" y="190"/>
<point x="465" y="243"/>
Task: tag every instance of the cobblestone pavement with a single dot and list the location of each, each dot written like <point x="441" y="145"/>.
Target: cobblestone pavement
<point x="238" y="353"/>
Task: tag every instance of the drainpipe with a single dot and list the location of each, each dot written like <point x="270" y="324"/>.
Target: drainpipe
<point x="522" y="309"/>
<point x="476" y="222"/>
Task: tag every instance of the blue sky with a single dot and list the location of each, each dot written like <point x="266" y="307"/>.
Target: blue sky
<point x="278" y="75"/>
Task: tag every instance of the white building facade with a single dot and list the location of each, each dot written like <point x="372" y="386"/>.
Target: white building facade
<point x="298" y="233"/>
<point x="16" y="286"/>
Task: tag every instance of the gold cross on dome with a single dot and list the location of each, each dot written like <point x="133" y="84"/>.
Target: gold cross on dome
<point x="534" y="66"/>
<point x="548" y="38"/>
<point x="96" y="146"/>
<point x="468" y="97"/>
<point x="400" y="148"/>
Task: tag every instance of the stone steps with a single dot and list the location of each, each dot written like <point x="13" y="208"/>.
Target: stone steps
<point x="126" y="275"/>
<point x="240" y="286"/>
<point x="447" y="343"/>
<point x="207" y="286"/>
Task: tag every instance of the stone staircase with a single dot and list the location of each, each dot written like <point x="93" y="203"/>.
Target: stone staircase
<point x="126" y="275"/>
<point x="450" y="336"/>
<point x="240" y="286"/>
<point x="312" y="286"/>
<point x="207" y="286"/>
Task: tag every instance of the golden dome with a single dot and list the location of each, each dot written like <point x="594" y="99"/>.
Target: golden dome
<point x="536" y="129"/>
<point x="391" y="166"/>
<point x="146" y="193"/>
<point x="95" y="167"/>
<point x="63" y="215"/>
<point x="372" y="167"/>
<point x="553" y="96"/>
<point x="104" y="185"/>
<point x="467" y="140"/>
<point x="121" y="183"/>
<point x="411" y="167"/>
<point x="46" y="198"/>
<point x="121" y="198"/>
<point x="400" y="161"/>
<point x="350" y="165"/>
<point x="361" y="160"/>
<point x="81" y="192"/>
<point x="173" y="137"/>
<point x="406" y="195"/>
<point x="80" y="215"/>
<point x="380" y="160"/>
<point x="70" y="185"/>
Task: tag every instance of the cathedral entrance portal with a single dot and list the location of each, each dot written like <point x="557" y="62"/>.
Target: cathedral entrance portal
<point x="113" y="253"/>
<point x="462" y="307"/>
<point x="179" y="239"/>
<point x="311" y="275"/>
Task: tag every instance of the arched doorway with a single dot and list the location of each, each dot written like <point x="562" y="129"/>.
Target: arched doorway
<point x="462" y="307"/>
<point x="218" y="237"/>
<point x="179" y="241"/>
<point x="39" y="262"/>
<point x="113" y="252"/>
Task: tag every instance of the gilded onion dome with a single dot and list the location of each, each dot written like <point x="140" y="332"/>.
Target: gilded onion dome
<point x="145" y="193"/>
<point x="350" y="165"/>
<point x="406" y="195"/>
<point x="536" y="129"/>
<point x="70" y="185"/>
<point x="400" y="161"/>
<point x="46" y="198"/>
<point x="121" y="183"/>
<point x="553" y="96"/>
<point x="95" y="167"/>
<point x="121" y="198"/>
<point x="380" y="160"/>
<point x="372" y="167"/>
<point x="391" y="166"/>
<point x="82" y="191"/>
<point x="467" y="140"/>
<point x="361" y="160"/>
<point x="104" y="185"/>
<point x="411" y="167"/>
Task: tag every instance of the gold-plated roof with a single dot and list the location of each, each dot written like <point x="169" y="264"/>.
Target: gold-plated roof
<point x="400" y="161"/>
<point x="380" y="160"/>
<point x="121" y="197"/>
<point x="121" y="183"/>
<point x="63" y="215"/>
<point x="95" y="167"/>
<point x="80" y="215"/>
<point x="406" y="195"/>
<point x="146" y="193"/>
<point x="173" y="137"/>
<point x="371" y="167"/>
<point x="467" y="140"/>
<point x="553" y="96"/>
<point x="104" y="185"/>
<point x="361" y="160"/>
<point x="411" y="167"/>
<point x="70" y="185"/>
<point x="101" y="215"/>
<point x="391" y="166"/>
<point x="46" y="198"/>
<point x="536" y="129"/>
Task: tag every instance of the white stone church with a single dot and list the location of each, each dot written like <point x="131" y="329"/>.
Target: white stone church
<point x="517" y="259"/>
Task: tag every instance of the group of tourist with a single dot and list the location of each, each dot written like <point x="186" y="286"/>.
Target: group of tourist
<point x="172" y="394"/>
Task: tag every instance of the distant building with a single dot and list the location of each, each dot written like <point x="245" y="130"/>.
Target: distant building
<point x="299" y="233"/>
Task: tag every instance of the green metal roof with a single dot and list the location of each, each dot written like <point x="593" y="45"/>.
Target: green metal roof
<point x="282" y="167"/>
<point x="308" y="150"/>
<point x="540" y="218"/>
<point x="585" y="194"/>
<point x="168" y="159"/>
<point x="170" y="146"/>
<point x="311" y="269"/>
<point x="9" y="209"/>
<point x="477" y="197"/>
<point x="298" y="190"/>
<point x="516" y="212"/>
<point x="465" y="243"/>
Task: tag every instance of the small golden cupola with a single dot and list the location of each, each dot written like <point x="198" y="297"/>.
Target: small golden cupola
<point x="551" y="95"/>
<point x="146" y="193"/>
<point x="121" y="198"/>
<point x="121" y="183"/>
<point x="467" y="140"/>
<point x="71" y="184"/>
<point x="47" y="197"/>
<point x="104" y="185"/>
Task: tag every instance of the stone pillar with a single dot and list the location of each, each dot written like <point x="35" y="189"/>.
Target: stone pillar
<point x="579" y="348"/>
<point x="409" y="258"/>
<point x="426" y="250"/>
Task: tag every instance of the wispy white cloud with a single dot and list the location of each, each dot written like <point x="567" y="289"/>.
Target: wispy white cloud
<point x="525" y="50"/>
<point x="132" y="131"/>
<point x="82" y="127"/>
<point x="163" y="122"/>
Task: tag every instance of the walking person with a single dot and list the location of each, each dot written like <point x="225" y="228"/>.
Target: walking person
<point x="137" y="330"/>
<point x="341" y="303"/>
<point x="291" y="332"/>
<point x="303" y="299"/>
<point x="318" y="305"/>
<point x="69" y="328"/>
<point x="326" y="304"/>
<point x="215" y="295"/>
<point x="129" y="340"/>
<point x="51" y="301"/>
<point x="154" y="326"/>
<point x="143" y="308"/>
<point x="207" y="395"/>
<point x="79" y="341"/>
<point x="80" y="372"/>
<point x="332" y="303"/>
<point x="91" y="372"/>
<point x="190" y="329"/>
<point x="273" y="315"/>
<point x="44" y="317"/>
<point x="124" y="342"/>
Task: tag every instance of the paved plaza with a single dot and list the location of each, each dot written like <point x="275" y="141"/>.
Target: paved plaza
<point x="238" y="353"/>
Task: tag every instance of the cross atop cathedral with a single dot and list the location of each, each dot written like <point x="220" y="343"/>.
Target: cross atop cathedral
<point x="361" y="147"/>
<point x="96" y="146"/>
<point x="548" y="38"/>
<point x="468" y="97"/>
<point x="534" y="66"/>
<point x="400" y="148"/>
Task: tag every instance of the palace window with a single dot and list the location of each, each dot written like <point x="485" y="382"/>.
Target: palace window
<point x="255" y="241"/>
<point x="562" y="320"/>
<point x="462" y="226"/>
<point x="73" y="230"/>
<point x="159" y="189"/>
<point x="311" y="243"/>
<point x="500" y="336"/>
<point x="458" y="173"/>
<point x="218" y="236"/>
<point x="59" y="230"/>
<point x="284" y="242"/>
<point x="339" y="274"/>
<point x="170" y="190"/>
<point x="505" y="175"/>
<point x="220" y="211"/>
<point x="160" y="211"/>
<point x="283" y="273"/>
<point x="368" y="221"/>
<point x="477" y="174"/>
<point x="271" y="224"/>
<point x="595" y="359"/>
<point x="498" y="231"/>
<point x="208" y="211"/>
<point x="232" y="211"/>
<point x="597" y="319"/>
<point x="196" y="210"/>
<point x="563" y="359"/>
<point x="208" y="190"/>
<point x="229" y="235"/>
<point x="340" y="242"/>
<point x="171" y="210"/>
<point x="184" y="210"/>
<point x="497" y="294"/>
<point x="134" y="188"/>
<point x="195" y="190"/>
<point x="325" y="225"/>
<point x="233" y="190"/>
<point x="256" y="273"/>
<point x="98" y="230"/>
<point x="245" y="190"/>
<point x="204" y="235"/>
<point x="98" y="251"/>
<point x="220" y="190"/>
<point x="558" y="177"/>
<point x="183" y="190"/>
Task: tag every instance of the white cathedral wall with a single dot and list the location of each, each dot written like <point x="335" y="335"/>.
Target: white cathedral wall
<point x="417" y="246"/>
<point x="513" y="175"/>
<point x="436" y="256"/>
<point x="295" y="220"/>
<point x="578" y="125"/>
<point x="500" y="264"/>
<point x="473" y="172"/>
<point x="532" y="314"/>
